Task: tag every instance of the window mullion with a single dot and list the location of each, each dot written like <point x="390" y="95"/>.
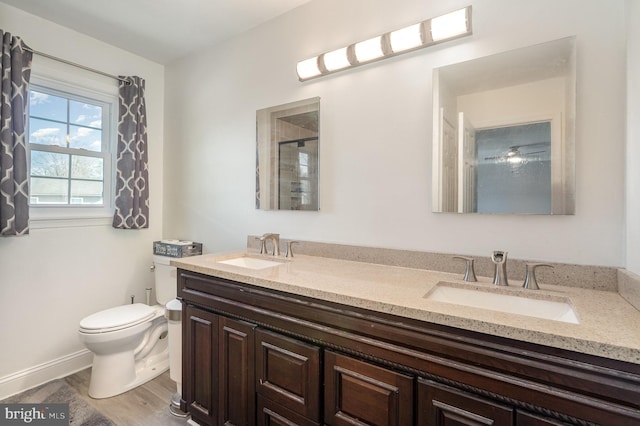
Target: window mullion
<point x="69" y="181"/>
<point x="62" y="150"/>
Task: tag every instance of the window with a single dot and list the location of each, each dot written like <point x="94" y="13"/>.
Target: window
<point x="70" y="149"/>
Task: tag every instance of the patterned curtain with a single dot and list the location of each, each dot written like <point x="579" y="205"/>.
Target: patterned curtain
<point x="15" y="71"/>
<point x="132" y="175"/>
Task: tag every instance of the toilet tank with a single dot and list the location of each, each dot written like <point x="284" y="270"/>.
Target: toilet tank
<point x="165" y="278"/>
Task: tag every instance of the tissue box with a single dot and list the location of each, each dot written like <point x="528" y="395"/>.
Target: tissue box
<point x="177" y="248"/>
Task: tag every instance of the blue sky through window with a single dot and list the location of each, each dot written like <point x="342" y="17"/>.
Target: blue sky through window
<point x="57" y="120"/>
<point x="66" y="138"/>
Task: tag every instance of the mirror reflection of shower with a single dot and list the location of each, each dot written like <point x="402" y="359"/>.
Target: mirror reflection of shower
<point x="298" y="174"/>
<point x="514" y="177"/>
<point x="511" y="90"/>
<point x="287" y="156"/>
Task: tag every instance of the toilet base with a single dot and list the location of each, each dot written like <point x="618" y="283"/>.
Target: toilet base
<point x="109" y="377"/>
<point x="117" y="373"/>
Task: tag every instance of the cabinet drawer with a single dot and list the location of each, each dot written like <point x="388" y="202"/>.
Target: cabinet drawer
<point x="359" y="393"/>
<point x="272" y="414"/>
<point x="528" y="419"/>
<point x="440" y="405"/>
<point x="288" y="373"/>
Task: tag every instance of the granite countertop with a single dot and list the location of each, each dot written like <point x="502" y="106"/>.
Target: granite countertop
<point x="608" y="325"/>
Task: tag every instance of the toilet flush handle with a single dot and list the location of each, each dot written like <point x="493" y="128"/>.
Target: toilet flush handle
<point x="152" y="267"/>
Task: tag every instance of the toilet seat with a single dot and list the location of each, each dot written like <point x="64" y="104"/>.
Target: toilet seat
<point x="117" y="318"/>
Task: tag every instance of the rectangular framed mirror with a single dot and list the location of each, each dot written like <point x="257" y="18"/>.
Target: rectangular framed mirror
<point x="503" y="138"/>
<point x="287" y="156"/>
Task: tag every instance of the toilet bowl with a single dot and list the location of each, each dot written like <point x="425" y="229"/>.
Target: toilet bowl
<point x="129" y="342"/>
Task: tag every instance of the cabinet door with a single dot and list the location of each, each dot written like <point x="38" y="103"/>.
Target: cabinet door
<point x="288" y="373"/>
<point x="237" y="373"/>
<point x="440" y="405"/>
<point x="358" y="393"/>
<point x="273" y="414"/>
<point x="200" y="364"/>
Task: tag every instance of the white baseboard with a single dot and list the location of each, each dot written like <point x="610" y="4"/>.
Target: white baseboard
<point x="43" y="373"/>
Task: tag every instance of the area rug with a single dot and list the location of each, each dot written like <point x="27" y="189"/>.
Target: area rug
<point x="58" y="392"/>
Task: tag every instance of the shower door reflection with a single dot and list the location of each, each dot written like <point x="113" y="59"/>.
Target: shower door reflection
<point x="298" y="174"/>
<point x="287" y="156"/>
<point x="514" y="177"/>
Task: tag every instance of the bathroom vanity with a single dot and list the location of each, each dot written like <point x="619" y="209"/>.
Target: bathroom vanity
<point x="323" y="341"/>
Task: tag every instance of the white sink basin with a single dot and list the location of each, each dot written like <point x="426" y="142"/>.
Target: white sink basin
<point x="250" y="262"/>
<point x="556" y="310"/>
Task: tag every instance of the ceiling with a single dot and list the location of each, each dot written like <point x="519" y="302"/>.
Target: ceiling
<point x="160" y="30"/>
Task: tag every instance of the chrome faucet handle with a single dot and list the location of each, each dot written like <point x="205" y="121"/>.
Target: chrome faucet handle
<point x="530" y="281"/>
<point x="289" y="253"/>
<point x="469" y="273"/>
<point x="263" y="243"/>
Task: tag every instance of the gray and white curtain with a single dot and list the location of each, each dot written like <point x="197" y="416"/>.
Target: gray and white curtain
<point x="15" y="71"/>
<point x="132" y="175"/>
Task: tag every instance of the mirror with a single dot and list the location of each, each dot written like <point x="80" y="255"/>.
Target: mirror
<point x="287" y="159"/>
<point x="503" y="138"/>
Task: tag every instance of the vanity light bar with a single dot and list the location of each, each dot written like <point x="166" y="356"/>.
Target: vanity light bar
<point x="427" y="33"/>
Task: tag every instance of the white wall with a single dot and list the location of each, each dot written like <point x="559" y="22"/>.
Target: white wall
<point x="55" y="276"/>
<point x="376" y="127"/>
<point x="514" y="104"/>
<point x="376" y="124"/>
<point x="633" y="138"/>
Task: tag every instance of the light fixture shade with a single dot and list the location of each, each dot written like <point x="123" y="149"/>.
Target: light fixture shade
<point x="308" y="68"/>
<point x="423" y="34"/>
<point x="406" y="38"/>
<point x="336" y="59"/>
<point x="369" y="50"/>
<point x="449" y="25"/>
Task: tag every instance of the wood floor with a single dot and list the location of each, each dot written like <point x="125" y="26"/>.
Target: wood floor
<point x="146" y="405"/>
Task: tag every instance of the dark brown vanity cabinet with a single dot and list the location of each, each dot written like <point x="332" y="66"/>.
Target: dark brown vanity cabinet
<point x="358" y="392"/>
<point x="199" y="344"/>
<point x="288" y="379"/>
<point x="441" y="405"/>
<point x="258" y="356"/>
<point x="219" y="352"/>
<point x="236" y="388"/>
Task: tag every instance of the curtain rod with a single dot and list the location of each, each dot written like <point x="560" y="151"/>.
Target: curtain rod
<point x="64" y="61"/>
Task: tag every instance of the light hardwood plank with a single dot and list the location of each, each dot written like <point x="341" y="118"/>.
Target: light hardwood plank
<point x="146" y="405"/>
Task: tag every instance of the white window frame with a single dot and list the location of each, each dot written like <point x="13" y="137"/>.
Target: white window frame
<point x="71" y="215"/>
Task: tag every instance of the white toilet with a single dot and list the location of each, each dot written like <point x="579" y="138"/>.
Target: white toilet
<point x="129" y="342"/>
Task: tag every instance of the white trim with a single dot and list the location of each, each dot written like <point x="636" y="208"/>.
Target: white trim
<point x="49" y="78"/>
<point x="39" y="374"/>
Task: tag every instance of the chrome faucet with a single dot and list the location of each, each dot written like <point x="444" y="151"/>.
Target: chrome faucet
<point x="275" y="239"/>
<point x="499" y="259"/>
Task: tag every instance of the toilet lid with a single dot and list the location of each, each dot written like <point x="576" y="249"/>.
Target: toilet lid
<point x="116" y="318"/>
